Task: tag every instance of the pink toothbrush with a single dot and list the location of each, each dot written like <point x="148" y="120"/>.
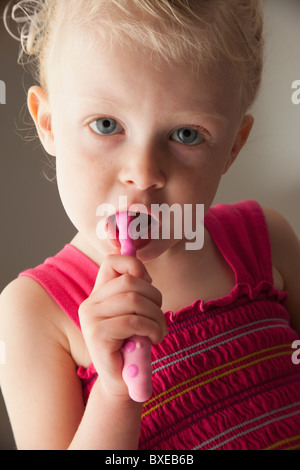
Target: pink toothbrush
<point x="137" y="369"/>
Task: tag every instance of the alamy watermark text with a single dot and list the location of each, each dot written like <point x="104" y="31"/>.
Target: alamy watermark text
<point x="2" y="92"/>
<point x="167" y="222"/>
<point x="296" y="93"/>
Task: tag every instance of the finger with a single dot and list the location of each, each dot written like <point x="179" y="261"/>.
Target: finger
<point x="115" y="265"/>
<point x="114" y="331"/>
<point x="130" y="303"/>
<point x="124" y="284"/>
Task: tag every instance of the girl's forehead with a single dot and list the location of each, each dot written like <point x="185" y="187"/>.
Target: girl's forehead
<point x="85" y="51"/>
<point x="196" y="33"/>
<point x="86" y="65"/>
<point x="117" y="76"/>
<point x="75" y="38"/>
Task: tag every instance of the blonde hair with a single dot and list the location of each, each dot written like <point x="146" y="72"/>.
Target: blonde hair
<point x="199" y="33"/>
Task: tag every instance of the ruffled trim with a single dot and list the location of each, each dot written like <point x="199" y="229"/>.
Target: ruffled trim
<point x="86" y="374"/>
<point x="263" y="290"/>
<point x="88" y="377"/>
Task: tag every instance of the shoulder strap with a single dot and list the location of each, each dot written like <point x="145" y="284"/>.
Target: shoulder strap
<point x="69" y="278"/>
<point x="241" y="234"/>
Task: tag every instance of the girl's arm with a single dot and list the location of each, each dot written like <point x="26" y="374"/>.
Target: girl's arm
<point x="39" y="382"/>
<point x="107" y="423"/>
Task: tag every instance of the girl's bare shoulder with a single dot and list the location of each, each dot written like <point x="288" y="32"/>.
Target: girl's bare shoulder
<point x="285" y="247"/>
<point x="38" y="378"/>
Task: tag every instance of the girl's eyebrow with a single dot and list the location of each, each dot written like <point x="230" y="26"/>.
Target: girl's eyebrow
<point x="202" y="115"/>
<point x="94" y="100"/>
<point x="187" y="115"/>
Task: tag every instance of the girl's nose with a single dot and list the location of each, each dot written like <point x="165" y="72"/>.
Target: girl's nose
<point x="143" y="169"/>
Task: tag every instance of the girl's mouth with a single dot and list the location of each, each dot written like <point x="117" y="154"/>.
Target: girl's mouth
<point x="142" y="228"/>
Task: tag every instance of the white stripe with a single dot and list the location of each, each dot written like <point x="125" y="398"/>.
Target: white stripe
<point x="270" y="413"/>
<point x="212" y="346"/>
<point x="219" y="336"/>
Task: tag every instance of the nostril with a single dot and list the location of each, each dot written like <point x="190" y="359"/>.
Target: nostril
<point x="143" y="178"/>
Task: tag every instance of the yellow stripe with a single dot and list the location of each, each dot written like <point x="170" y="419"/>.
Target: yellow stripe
<point x="262" y="351"/>
<point x="243" y="366"/>
<point x="284" y="441"/>
<point x="297" y="447"/>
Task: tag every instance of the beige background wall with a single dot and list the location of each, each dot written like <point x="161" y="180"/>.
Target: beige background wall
<point x="268" y="169"/>
<point x="33" y="223"/>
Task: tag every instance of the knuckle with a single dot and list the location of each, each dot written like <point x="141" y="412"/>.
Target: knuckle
<point x="95" y="332"/>
<point x="86" y="308"/>
<point x="131" y="298"/>
<point x="82" y="310"/>
<point x="137" y="267"/>
<point x="107" y="262"/>
<point x="127" y="281"/>
<point x="109" y="258"/>
<point x="136" y="322"/>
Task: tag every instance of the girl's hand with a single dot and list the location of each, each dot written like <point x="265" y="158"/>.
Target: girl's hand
<point x="123" y="303"/>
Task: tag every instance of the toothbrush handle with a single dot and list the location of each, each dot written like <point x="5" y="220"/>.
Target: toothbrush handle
<point x="136" y="350"/>
<point x="137" y="369"/>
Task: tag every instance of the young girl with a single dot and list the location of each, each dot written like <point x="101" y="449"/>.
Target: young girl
<point x="147" y="102"/>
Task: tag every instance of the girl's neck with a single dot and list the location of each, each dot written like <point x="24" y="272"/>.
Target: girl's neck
<point x="186" y="276"/>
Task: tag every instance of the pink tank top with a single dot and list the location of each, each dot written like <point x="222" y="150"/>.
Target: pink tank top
<point x="223" y="378"/>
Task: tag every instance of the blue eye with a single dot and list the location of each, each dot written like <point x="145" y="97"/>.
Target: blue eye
<point x="188" y="136"/>
<point x="106" y="126"/>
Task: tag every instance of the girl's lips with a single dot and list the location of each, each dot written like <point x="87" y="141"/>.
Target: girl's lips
<point x="143" y="227"/>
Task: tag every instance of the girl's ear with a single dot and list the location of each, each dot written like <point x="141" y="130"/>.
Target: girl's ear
<point x="38" y="105"/>
<point x="240" y="140"/>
